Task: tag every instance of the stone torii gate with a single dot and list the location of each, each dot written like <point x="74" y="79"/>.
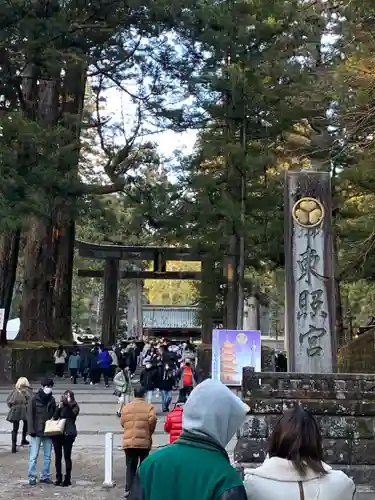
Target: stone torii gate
<point x="112" y="254"/>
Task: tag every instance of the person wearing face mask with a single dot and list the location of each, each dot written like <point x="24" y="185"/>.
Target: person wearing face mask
<point x="41" y="408"/>
<point x="67" y="409"/>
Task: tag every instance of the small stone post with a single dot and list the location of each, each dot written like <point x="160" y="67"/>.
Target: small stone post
<point x="108" y="461"/>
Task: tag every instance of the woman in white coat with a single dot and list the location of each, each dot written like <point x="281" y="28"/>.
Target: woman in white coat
<point x="294" y="468"/>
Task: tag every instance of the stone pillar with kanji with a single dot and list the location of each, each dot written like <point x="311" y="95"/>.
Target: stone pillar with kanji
<point x="309" y="269"/>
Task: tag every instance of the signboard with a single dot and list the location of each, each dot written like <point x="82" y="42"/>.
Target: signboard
<point x="231" y="351"/>
<point x="2" y="315"/>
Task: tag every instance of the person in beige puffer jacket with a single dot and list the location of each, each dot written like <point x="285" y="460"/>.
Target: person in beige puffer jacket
<point x="138" y="420"/>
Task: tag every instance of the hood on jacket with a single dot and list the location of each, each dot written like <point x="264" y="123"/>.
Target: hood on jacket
<point x="281" y="469"/>
<point x="213" y="411"/>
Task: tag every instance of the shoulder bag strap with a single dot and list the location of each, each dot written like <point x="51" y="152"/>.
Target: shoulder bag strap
<point x="301" y="492"/>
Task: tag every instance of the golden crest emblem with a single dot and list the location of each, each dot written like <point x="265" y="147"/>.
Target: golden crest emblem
<point x="308" y="212"/>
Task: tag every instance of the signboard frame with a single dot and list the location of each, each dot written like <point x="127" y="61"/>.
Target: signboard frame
<point x="232" y="350"/>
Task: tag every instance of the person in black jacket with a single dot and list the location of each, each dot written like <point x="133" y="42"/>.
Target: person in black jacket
<point x="94" y="368"/>
<point x="148" y="380"/>
<point x="67" y="409"/>
<point x="84" y="367"/>
<point x="40" y="408"/>
<point x="166" y="386"/>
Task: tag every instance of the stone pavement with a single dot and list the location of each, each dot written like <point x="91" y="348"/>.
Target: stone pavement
<point x="97" y="416"/>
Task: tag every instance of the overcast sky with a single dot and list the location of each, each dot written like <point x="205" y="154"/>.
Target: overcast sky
<point x="120" y="105"/>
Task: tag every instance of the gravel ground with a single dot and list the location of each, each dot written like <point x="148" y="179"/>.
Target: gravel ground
<point x="87" y="480"/>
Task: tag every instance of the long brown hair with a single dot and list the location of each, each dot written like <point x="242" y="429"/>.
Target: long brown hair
<point x="71" y="395"/>
<point x="297" y="438"/>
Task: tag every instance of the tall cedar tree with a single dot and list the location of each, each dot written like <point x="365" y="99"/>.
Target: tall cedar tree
<point x="256" y="80"/>
<point x="48" y="50"/>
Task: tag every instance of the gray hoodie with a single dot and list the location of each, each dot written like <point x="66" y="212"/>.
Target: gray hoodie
<point x="213" y="411"/>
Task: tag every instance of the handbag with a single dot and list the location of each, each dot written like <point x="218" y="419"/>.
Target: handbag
<point x="117" y="393"/>
<point x="55" y="427"/>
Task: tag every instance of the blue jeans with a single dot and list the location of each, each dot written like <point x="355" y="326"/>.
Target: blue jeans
<point x="35" y="444"/>
<point x="149" y="396"/>
<point x="166" y="399"/>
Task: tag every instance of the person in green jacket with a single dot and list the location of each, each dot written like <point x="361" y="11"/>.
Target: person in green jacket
<point x="196" y="466"/>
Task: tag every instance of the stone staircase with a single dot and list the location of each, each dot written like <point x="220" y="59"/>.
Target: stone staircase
<point x="98" y="408"/>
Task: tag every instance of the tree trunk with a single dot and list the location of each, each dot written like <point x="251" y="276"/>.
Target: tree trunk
<point x="233" y="190"/>
<point x="232" y="285"/>
<point x="9" y="250"/>
<point x="339" y="317"/>
<point x="340" y="329"/>
<point x="62" y="292"/>
<point x="36" y="305"/>
<point x="111" y="284"/>
<point x="37" y="282"/>
<point x="72" y="109"/>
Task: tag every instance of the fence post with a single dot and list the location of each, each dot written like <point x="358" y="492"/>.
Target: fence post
<point x="108" y="461"/>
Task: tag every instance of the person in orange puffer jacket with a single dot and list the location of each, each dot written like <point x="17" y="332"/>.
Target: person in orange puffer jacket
<point x="173" y="423"/>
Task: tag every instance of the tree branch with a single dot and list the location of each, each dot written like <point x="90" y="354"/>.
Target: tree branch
<point x="100" y="189"/>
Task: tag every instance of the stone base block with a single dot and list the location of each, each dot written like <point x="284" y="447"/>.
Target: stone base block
<point x="29" y="363"/>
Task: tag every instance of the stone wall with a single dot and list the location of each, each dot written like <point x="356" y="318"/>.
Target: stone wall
<point x="267" y="359"/>
<point x="358" y="356"/>
<point x="30" y="363"/>
<point x="344" y="406"/>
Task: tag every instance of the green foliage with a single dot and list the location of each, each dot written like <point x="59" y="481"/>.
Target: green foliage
<point x="173" y="292"/>
<point x="256" y="69"/>
<point x="253" y="77"/>
<point x="358" y="300"/>
<point x="47" y="52"/>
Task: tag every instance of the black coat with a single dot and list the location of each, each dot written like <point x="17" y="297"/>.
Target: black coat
<point x="167" y="380"/>
<point x="70" y="412"/>
<point x="158" y="368"/>
<point x="93" y="361"/>
<point x="148" y="379"/>
<point x="84" y="362"/>
<point x="40" y="408"/>
<point x="132" y="359"/>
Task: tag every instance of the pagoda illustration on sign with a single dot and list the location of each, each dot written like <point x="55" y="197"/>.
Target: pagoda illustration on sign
<point x="227" y="363"/>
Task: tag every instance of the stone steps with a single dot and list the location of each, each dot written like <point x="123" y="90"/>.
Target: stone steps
<point x="98" y="408"/>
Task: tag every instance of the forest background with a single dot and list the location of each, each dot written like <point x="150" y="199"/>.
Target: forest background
<point x="265" y="86"/>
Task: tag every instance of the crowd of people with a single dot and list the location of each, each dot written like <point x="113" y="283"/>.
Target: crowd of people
<point x="200" y="425"/>
<point x="165" y="366"/>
